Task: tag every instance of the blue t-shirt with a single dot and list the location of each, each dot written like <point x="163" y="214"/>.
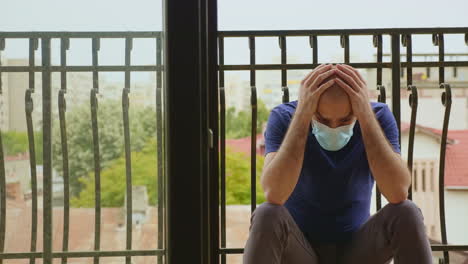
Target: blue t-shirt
<point x="333" y="193"/>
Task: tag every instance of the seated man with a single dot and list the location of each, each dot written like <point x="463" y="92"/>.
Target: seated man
<point x="323" y="153"/>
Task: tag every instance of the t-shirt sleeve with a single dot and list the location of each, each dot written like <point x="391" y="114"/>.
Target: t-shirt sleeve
<point x="275" y="131"/>
<point x="389" y="126"/>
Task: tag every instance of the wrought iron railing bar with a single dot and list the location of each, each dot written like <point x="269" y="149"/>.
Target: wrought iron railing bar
<point x="377" y="41"/>
<point x="83" y="254"/>
<point x="2" y="198"/>
<point x="62" y="105"/>
<point x="447" y="102"/>
<point x="33" y="45"/>
<point x="434" y="247"/>
<point x="396" y="68"/>
<point x="29" y="107"/>
<point x="284" y="72"/>
<point x="407" y="42"/>
<point x="2" y="171"/>
<point x="314" y="46"/>
<point x="82" y="34"/>
<point x="159" y="143"/>
<point x="99" y="68"/>
<point x="338" y="32"/>
<point x="2" y="47"/>
<point x="47" y="150"/>
<point x="222" y="124"/>
<point x="253" y="134"/>
<point x="344" y="42"/>
<point x="438" y="40"/>
<point x="358" y="65"/>
<point x="64" y="47"/>
<point x="97" y="157"/>
<point x="413" y="102"/>
<point x="382" y="98"/>
<point x="128" y="164"/>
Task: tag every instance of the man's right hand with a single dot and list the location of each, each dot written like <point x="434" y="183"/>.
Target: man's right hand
<point x="312" y="87"/>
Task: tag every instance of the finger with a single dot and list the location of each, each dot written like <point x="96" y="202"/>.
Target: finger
<point x="320" y="78"/>
<point x="350" y="91"/>
<point x="348" y="79"/>
<point x="324" y="87"/>
<point x="355" y="73"/>
<point x="307" y="77"/>
<point x="320" y="69"/>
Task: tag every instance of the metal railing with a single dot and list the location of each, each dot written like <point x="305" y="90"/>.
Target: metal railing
<point x="397" y="35"/>
<point x="46" y="68"/>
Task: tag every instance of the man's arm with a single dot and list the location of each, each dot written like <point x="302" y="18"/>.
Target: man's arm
<point x="281" y="169"/>
<point x="390" y="172"/>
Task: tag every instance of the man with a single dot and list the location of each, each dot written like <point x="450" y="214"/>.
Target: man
<point x="323" y="153"/>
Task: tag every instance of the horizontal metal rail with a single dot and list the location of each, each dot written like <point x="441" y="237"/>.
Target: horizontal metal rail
<point x="84" y="254"/>
<point x="434" y="247"/>
<point x="338" y="32"/>
<point x="86" y="35"/>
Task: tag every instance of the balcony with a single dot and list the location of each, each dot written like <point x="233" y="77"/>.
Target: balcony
<point x="135" y="232"/>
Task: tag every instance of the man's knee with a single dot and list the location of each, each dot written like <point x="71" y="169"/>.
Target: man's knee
<point x="268" y="216"/>
<point x="407" y="211"/>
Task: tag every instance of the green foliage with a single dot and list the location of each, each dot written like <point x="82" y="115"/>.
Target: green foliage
<point x="144" y="172"/>
<point x="15" y="143"/>
<point x="113" y="179"/>
<point x="144" y="162"/>
<point x="238" y="124"/>
<point x="111" y="140"/>
<point x="238" y="178"/>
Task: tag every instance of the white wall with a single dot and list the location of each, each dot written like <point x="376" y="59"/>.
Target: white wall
<point x="456" y="214"/>
<point x="431" y="112"/>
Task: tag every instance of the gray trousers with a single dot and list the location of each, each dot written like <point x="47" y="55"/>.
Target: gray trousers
<point x="396" y="231"/>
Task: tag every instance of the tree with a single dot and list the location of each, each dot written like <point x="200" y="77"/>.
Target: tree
<point x="144" y="172"/>
<point x="238" y="124"/>
<point x="238" y="178"/>
<point x="111" y="140"/>
<point x="15" y="143"/>
<point x="113" y="179"/>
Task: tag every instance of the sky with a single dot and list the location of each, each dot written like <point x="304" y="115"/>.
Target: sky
<point x="146" y="15"/>
<point x="83" y="15"/>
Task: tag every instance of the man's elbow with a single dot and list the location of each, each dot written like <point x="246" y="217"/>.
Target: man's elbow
<point x="274" y="198"/>
<point x="398" y="197"/>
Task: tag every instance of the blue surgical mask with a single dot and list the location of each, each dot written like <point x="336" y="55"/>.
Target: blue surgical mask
<point x="332" y="139"/>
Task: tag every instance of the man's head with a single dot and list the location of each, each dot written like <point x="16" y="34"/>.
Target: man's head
<point x="334" y="108"/>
